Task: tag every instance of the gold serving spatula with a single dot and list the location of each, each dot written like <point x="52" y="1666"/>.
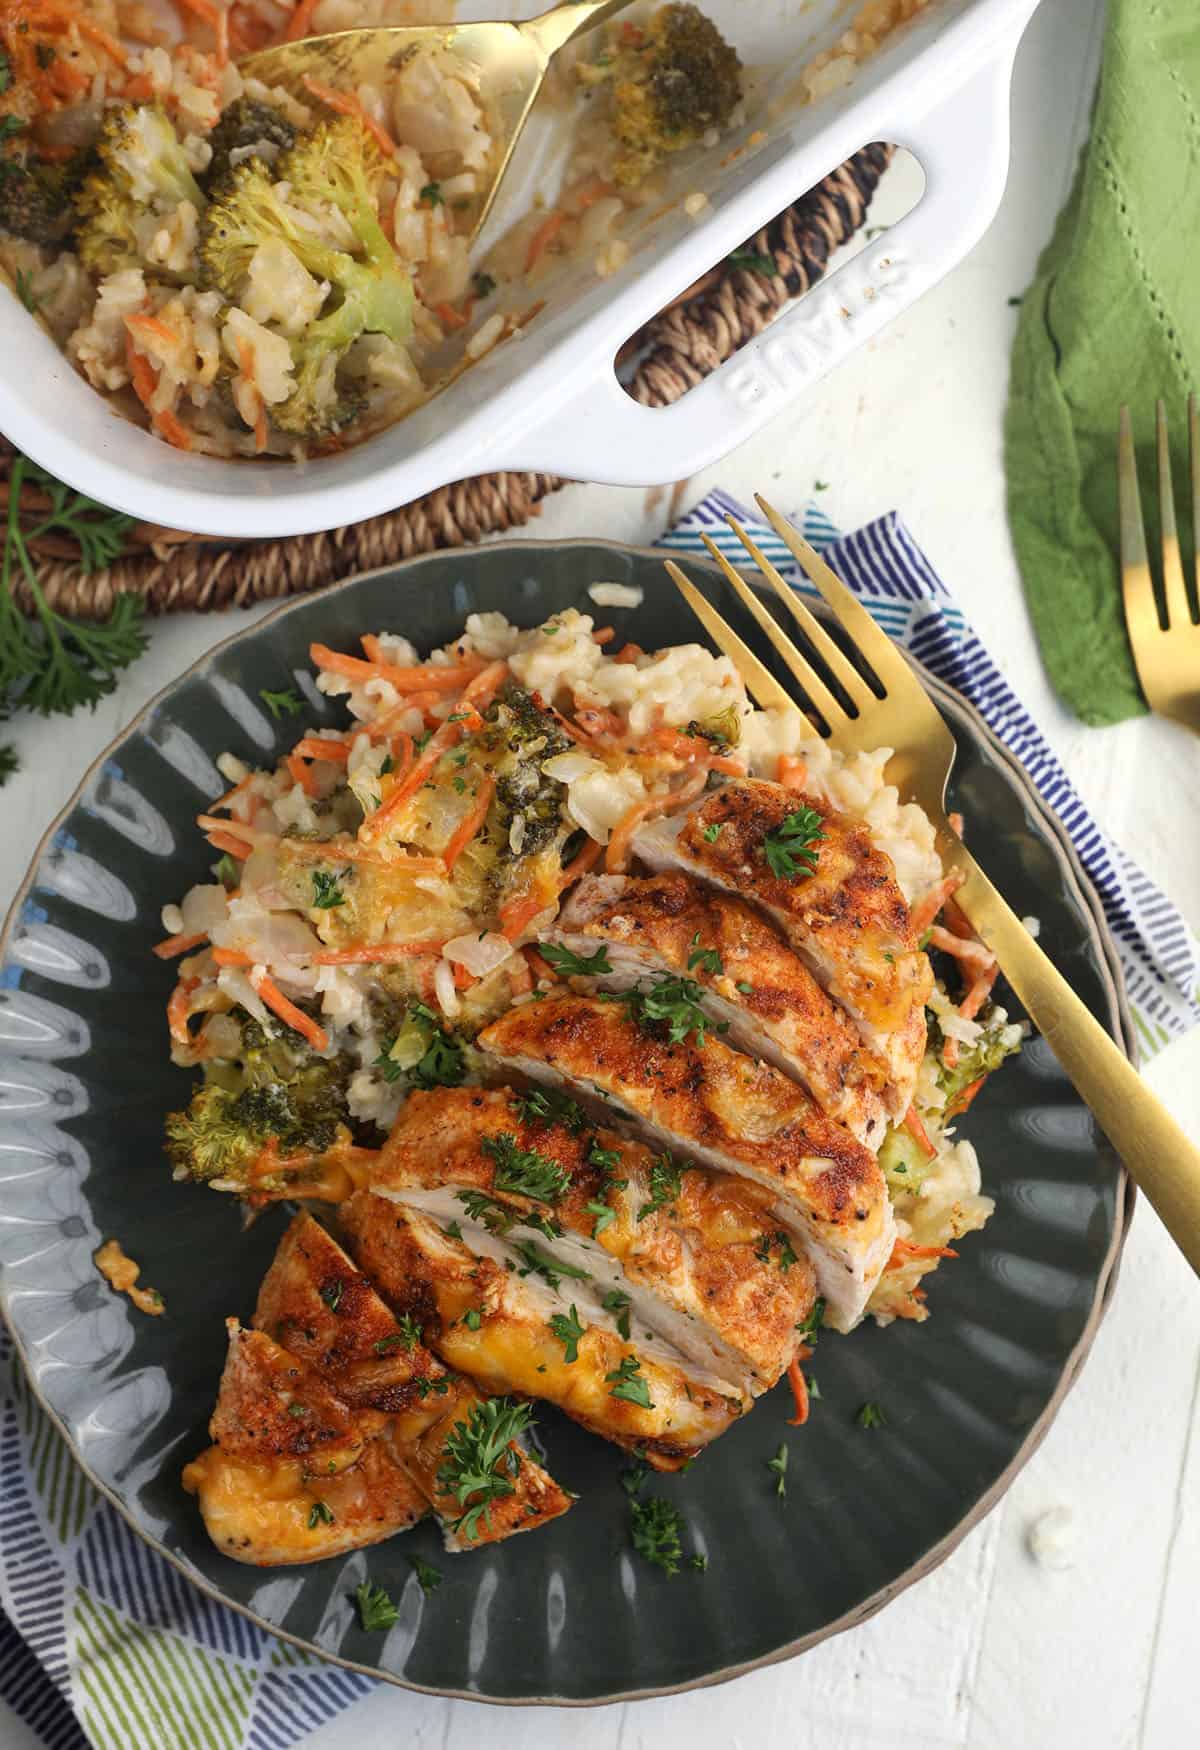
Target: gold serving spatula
<point x="505" y="64"/>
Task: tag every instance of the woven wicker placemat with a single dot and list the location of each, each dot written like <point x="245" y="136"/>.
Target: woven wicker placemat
<point x="680" y="347"/>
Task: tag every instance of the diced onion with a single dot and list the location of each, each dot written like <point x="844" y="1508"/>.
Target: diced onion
<point x="479" y="955"/>
<point x="567" y="766"/>
<point x="443" y="987"/>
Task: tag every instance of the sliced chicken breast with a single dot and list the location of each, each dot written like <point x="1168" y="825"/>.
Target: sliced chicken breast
<point x="531" y="1331"/>
<point x="846" y="917"/>
<point x="749" y="980"/>
<point x="293" y="1475"/>
<point x="694" y="1256"/>
<point x="331" y="1420"/>
<point x="726" y="1111"/>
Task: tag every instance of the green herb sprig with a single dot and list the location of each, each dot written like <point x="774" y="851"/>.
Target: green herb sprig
<point x="790" y="850"/>
<point x="481" y="1461"/>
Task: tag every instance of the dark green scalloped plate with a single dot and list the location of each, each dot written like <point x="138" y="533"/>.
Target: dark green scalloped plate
<point x="569" y="1614"/>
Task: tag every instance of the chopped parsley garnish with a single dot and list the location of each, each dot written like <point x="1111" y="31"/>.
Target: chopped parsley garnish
<point x="666" y="1183"/>
<point x="376" y="1611"/>
<point x="389" y="765"/>
<point x="296" y="1410"/>
<point x="616" y="1301"/>
<point x="428" y="1579"/>
<point x="284" y="704"/>
<point x="632" y="1478"/>
<point x="604" y="1217"/>
<point x="699" y="1562"/>
<point x="712" y="833"/>
<point x="655" y="1526"/>
<point x="744" y="987"/>
<point x="460" y="783"/>
<point x="487" y="1211"/>
<point x="523" y="1172"/>
<point x="472" y="1318"/>
<point x="814" y="1390"/>
<point x="5" y="71"/>
<point x="571" y="964"/>
<point x="604" y="1158"/>
<point x="706" y="958"/>
<point x="779" y="1465"/>
<point x="787" y="1256"/>
<point x="331" y="1294"/>
<point x="482" y="284"/>
<point x="431" y="195"/>
<point x="567" y="1328"/>
<point x="539" y="1263"/>
<point x="453" y="1230"/>
<point x="480" y="1460"/>
<point x="754" y="261"/>
<point x="627" y="1382"/>
<point x="326" y="892"/>
<point x="319" y="1514"/>
<point x="545" y="1106"/>
<point x="871" y="1416"/>
<point x="810" y="1328"/>
<point x="443" y="1064"/>
<point x="674" y="1004"/>
<point x="425" y="1385"/>
<point x="407" y="1336"/>
<point x="790" y="850"/>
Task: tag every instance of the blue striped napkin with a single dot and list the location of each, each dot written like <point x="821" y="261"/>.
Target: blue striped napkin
<point x="104" y="1643"/>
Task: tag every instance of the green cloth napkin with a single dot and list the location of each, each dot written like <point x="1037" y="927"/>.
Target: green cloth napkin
<point x="1113" y="316"/>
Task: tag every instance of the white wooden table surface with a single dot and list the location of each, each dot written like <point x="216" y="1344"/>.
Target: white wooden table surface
<point x="994" y="1651"/>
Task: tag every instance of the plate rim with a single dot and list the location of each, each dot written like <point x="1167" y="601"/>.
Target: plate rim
<point x="1119" y="1023"/>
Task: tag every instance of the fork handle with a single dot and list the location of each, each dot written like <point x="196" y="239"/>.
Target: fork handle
<point x="1162" y="1161"/>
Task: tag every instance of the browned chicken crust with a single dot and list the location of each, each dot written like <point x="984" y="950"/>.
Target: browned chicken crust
<point x="756" y="985"/>
<point x="710" y="1252"/>
<point x="739" y="1115"/>
<point x="508" y="1345"/>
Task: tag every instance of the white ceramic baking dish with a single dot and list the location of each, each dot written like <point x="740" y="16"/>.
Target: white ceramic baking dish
<point x="550" y="400"/>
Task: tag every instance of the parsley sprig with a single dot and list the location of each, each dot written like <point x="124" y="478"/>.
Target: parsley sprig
<point x="569" y="1331"/>
<point x="779" y="1465"/>
<point x="570" y="964"/>
<point x="376" y="1612"/>
<point x="327" y="892"/>
<point x="627" y="1383"/>
<point x="50" y="663"/>
<point x="790" y="850"/>
<point x="523" y="1172"/>
<point x="480" y="1460"/>
<point x="545" y="1106"/>
<point x="672" y="1005"/>
<point x="666" y="1184"/>
<point x="656" y="1528"/>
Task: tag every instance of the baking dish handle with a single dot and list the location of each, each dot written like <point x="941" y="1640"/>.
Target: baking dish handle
<point x="601" y="434"/>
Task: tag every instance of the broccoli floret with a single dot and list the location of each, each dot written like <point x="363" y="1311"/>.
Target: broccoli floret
<point x="671" y="82"/>
<point x="247" y="127"/>
<point x="273" y="1089"/>
<point x="37" y="199"/>
<point x="337" y="164"/>
<point x="521" y="785"/>
<point x="999" y="1039"/>
<point x="141" y="171"/>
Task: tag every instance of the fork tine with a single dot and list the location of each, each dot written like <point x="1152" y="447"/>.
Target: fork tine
<point x="1137" y="584"/>
<point x="1174" y="588"/>
<point x="873" y="643"/>
<point x="817" y="692"/>
<point x="760" y="682"/>
<point x="1194" y="456"/>
<point x="842" y="669"/>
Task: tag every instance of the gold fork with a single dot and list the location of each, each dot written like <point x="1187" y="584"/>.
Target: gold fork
<point x="1167" y="656"/>
<point x="900" y="715"/>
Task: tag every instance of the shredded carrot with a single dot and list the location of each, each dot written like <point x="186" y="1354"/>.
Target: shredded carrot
<point x="177" y="1010"/>
<point x="538" y="968"/>
<point x="320" y="747"/>
<point x="799" y="1387"/>
<point x="232" y="829"/>
<point x="978" y="994"/>
<point x="173" y="429"/>
<point x="231" y="796"/>
<point x="345" y="104"/>
<point x="964" y="948"/>
<point x="905" y="1249"/>
<point x="590" y="193"/>
<point x="958" y="825"/>
<point x="138" y="90"/>
<point x="290" y="1015"/>
<point x="918" y="1132"/>
<point x="616" y="857"/>
<point x="467" y="828"/>
<point x="597" y="720"/>
<point x="300" y="23"/>
<point x="603" y="634"/>
<point x="793" y="771"/>
<point x="520" y="975"/>
<point x="231" y="957"/>
<point x="924" y="913"/>
<point x="517" y="913"/>
<point x="478" y="691"/>
<point x="434" y="678"/>
<point x="580" y="863"/>
<point x="448" y="316"/>
<point x="629" y="653"/>
<point x="224" y="841"/>
<point x="545" y="234"/>
<point x="302" y="775"/>
<point x="693" y="748"/>
<point x="958" y="1106"/>
<point x="95" y="33"/>
<point x="372" y="953"/>
<point x="141" y="371"/>
<point x="173" y="945"/>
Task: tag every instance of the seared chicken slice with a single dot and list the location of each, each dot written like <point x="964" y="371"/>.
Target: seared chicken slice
<point x="846" y="917"/>
<point x="331" y="1420"/>
<point x="728" y="1112"/>
<point x="696" y="1256"/>
<point x="294" y="1475"/>
<point x="750" y="982"/>
<point x="531" y="1332"/>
